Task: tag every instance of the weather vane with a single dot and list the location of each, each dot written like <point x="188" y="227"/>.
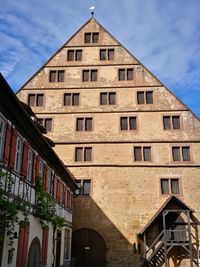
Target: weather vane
<point x="92" y="8"/>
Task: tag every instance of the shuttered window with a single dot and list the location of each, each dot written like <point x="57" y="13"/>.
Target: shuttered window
<point x="30" y="165"/>
<point x="18" y="156"/>
<point x="22" y="245"/>
<point x="170" y="186"/>
<point x="145" y="97"/>
<point x="108" y="98"/>
<point x="7" y="144"/>
<point x="2" y="137"/>
<point x="25" y="158"/>
<point x="142" y="153"/>
<point x="45" y="237"/>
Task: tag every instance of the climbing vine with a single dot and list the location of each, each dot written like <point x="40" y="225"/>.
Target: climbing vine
<point x="45" y="207"/>
<point x="10" y="206"/>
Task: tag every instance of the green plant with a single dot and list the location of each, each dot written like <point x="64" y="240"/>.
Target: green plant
<point x="45" y="207"/>
<point x="10" y="206"/>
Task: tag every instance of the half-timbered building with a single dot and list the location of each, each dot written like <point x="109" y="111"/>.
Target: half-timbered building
<point x="29" y="237"/>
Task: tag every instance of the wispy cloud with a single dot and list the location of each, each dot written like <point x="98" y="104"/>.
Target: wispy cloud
<point x="163" y="35"/>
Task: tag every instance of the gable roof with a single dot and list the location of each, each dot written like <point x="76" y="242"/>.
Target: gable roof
<point x="87" y="22"/>
<point x="172" y="199"/>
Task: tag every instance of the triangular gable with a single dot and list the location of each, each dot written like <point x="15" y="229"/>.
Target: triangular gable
<point x="170" y="200"/>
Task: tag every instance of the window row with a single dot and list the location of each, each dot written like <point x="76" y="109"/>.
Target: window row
<point x="18" y="155"/>
<point x="168" y="186"/>
<point x="90" y="75"/>
<point x="127" y="123"/>
<point x="140" y="154"/>
<point x="76" y="54"/>
<point x="105" y="98"/>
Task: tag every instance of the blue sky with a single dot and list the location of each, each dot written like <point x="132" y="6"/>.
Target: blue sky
<point x="163" y="35"/>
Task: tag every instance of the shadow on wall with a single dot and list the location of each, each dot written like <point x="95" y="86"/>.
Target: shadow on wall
<point x="96" y="240"/>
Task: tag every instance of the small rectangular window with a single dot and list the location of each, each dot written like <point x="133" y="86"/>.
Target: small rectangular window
<point x="186" y="153"/>
<point x="140" y="97"/>
<point x="149" y="97"/>
<point x="124" y="123"/>
<point x="176" y="122"/>
<point x="94" y="75"/>
<point x="61" y="75"/>
<point x="56" y="75"/>
<point x="145" y="97"/>
<point x="176" y="154"/>
<point x="121" y="74"/>
<point x="86" y="75"/>
<point x="86" y="187"/>
<point x="95" y="37"/>
<point x="112" y="98"/>
<point x="79" y="124"/>
<point x="138" y="153"/>
<point x="70" y="55"/>
<point x="102" y="54"/>
<point x="129" y="74"/>
<point x="103" y="98"/>
<point x="67" y="99"/>
<point x="39" y="100"/>
<point x="174" y="186"/>
<point x="31" y="100"/>
<point x="165" y="186"/>
<point x="88" y="154"/>
<point x="48" y="125"/>
<point x="78" y="55"/>
<point x="169" y="186"/>
<point x="71" y="99"/>
<point x="142" y="153"/>
<point x="147" y="153"/>
<point x="132" y="123"/>
<point x="110" y="54"/>
<point x="79" y="154"/>
<point x="87" y="38"/>
<point x="75" y="99"/>
<point x="166" y="122"/>
<point x="88" y="124"/>
<point x="52" y="76"/>
<point x="18" y="155"/>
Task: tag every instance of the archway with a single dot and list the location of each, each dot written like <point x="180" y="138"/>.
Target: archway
<point x="88" y="248"/>
<point x="34" y="253"/>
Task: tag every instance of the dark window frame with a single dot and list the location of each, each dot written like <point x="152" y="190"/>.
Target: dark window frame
<point x="59" y="76"/>
<point x="169" y="187"/>
<point x="84" y="121"/>
<point x="105" y="98"/>
<point x="145" y="100"/>
<point x="83" y="155"/>
<point x="178" y="154"/>
<point x="72" y="100"/>
<point x="170" y="124"/>
<point x="141" y="152"/>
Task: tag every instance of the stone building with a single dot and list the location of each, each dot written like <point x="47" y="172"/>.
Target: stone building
<point x="35" y="191"/>
<point x="131" y="144"/>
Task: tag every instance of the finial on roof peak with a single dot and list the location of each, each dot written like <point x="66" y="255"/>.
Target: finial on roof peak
<point x="92" y="8"/>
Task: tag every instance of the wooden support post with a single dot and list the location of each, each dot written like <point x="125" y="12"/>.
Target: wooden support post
<point x="145" y="244"/>
<point x="165" y="239"/>
<point x="190" y="238"/>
